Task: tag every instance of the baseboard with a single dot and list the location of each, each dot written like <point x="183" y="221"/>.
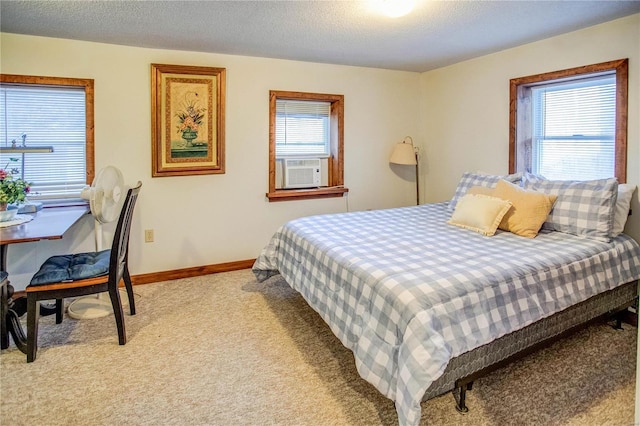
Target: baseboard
<point x="196" y="271"/>
<point x="175" y="274"/>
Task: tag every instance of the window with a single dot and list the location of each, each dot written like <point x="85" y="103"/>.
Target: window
<point x="571" y="124"/>
<point x="306" y="125"/>
<point x="52" y="112"/>
<point x="302" y="128"/>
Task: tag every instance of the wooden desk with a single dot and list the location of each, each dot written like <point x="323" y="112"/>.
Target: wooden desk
<point x="47" y="224"/>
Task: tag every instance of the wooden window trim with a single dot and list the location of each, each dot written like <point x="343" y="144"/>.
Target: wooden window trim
<point x="518" y="85"/>
<point x="336" y="160"/>
<point x="87" y="84"/>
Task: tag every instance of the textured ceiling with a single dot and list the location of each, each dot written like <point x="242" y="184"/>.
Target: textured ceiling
<point x="435" y="34"/>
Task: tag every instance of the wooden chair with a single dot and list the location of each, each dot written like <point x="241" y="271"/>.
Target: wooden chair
<point x="81" y="274"/>
<point x="4" y="309"/>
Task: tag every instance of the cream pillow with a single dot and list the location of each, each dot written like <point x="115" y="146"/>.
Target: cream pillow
<point x="530" y="208"/>
<point x="480" y="213"/>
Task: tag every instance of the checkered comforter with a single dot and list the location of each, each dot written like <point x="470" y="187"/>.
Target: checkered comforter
<point x="406" y="292"/>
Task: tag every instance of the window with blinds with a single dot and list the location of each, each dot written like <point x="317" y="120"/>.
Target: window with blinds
<point x="302" y="128"/>
<point x="573" y="128"/>
<point x="48" y="116"/>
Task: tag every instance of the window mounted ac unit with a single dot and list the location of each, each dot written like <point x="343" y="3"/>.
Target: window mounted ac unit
<point x="302" y="172"/>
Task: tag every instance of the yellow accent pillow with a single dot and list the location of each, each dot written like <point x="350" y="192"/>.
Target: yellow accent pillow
<point x="480" y="213"/>
<point x="530" y="208"/>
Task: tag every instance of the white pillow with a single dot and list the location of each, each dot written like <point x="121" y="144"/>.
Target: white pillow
<point x="625" y="192"/>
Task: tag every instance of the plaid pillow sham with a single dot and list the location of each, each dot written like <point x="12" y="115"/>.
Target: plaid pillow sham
<point x="470" y="179"/>
<point x="583" y="208"/>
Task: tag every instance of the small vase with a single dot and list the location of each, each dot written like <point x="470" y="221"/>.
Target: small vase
<point x="189" y="135"/>
<point x="9" y="212"/>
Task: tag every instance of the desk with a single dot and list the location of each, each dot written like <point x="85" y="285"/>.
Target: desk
<point x="47" y="224"/>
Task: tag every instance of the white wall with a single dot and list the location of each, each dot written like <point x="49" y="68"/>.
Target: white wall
<point x="204" y="220"/>
<point x="465" y="107"/>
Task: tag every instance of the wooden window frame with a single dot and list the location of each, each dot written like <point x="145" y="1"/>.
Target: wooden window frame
<point x="335" y="186"/>
<point x="85" y="83"/>
<point x="520" y="142"/>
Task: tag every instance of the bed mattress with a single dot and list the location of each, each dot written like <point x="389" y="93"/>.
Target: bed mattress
<point x="406" y="292"/>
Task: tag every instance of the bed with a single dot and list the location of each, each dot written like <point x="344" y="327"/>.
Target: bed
<point x="426" y="306"/>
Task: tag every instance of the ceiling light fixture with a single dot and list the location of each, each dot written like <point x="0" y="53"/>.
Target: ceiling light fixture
<point x="395" y="8"/>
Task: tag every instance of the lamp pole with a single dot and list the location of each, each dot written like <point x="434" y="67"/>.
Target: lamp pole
<point x="417" y="182"/>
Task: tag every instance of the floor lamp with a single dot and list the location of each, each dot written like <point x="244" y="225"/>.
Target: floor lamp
<point x="406" y="154"/>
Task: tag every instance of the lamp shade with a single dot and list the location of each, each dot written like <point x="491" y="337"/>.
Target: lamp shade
<point x="403" y="153"/>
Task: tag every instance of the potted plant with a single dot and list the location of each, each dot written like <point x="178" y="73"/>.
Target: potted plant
<point x="13" y="190"/>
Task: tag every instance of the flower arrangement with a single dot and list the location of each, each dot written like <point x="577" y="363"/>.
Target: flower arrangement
<point x="12" y="189"/>
<point x="191" y="115"/>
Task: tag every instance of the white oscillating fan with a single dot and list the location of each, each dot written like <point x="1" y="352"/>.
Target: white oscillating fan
<point x="106" y="197"/>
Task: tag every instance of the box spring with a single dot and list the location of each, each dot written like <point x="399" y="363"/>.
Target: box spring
<point x="521" y="342"/>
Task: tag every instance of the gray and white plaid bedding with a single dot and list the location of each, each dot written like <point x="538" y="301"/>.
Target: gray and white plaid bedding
<point x="406" y="292"/>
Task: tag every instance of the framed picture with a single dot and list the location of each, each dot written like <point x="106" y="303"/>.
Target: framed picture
<point x="187" y="120"/>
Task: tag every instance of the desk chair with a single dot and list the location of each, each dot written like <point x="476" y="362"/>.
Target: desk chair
<point x="81" y="274"/>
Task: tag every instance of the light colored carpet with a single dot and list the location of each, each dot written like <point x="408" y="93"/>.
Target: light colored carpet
<point x="225" y="350"/>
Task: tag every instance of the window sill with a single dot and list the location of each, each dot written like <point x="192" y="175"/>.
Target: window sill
<point x="306" y="194"/>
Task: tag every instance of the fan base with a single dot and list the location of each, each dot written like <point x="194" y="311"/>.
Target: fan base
<point x="90" y="307"/>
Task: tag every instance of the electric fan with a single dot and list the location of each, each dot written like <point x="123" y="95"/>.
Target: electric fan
<point x="106" y="198"/>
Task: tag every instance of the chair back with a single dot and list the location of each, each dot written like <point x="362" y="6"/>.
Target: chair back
<point x="120" y="246"/>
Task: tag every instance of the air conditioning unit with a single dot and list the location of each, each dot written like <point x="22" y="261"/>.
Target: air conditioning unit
<point x="302" y="172"/>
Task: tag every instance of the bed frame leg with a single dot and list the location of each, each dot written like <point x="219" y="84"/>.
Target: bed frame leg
<point x="619" y="318"/>
<point x="618" y="325"/>
<point x="460" y="394"/>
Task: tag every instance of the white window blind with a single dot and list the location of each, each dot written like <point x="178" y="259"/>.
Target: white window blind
<point x="48" y="116"/>
<point x="574" y="129"/>
<point x="302" y="128"/>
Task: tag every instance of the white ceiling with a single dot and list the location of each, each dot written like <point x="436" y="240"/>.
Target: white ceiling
<point x="435" y="34"/>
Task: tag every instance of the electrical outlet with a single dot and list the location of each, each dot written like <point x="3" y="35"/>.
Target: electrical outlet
<point x="148" y="235"/>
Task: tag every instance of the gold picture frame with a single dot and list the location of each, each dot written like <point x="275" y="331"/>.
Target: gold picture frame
<point x="187" y="120"/>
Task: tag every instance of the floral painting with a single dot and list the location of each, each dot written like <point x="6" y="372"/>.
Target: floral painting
<point x="187" y="120"/>
<point x="188" y="100"/>
<point x="190" y="117"/>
